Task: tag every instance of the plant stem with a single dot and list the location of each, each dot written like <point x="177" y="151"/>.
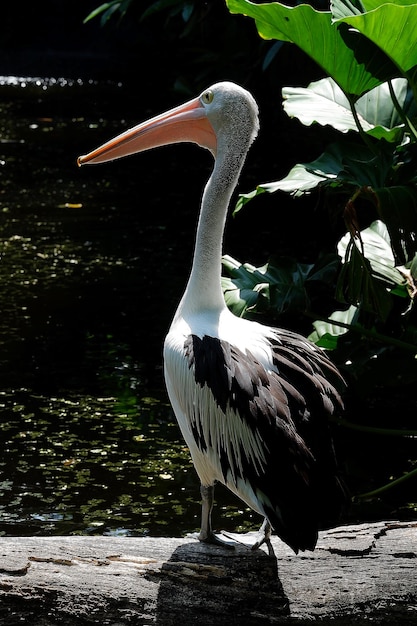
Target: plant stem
<point x="390" y="432"/>
<point x="372" y="334"/>
<point x="406" y="121"/>
<point x="364" y="136"/>
<point x="391" y="485"/>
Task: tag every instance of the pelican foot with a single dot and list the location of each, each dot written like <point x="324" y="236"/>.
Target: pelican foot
<point x="260" y="541"/>
<point x="264" y="536"/>
<point x="214" y="540"/>
<point x="253" y="540"/>
<point x="246" y="540"/>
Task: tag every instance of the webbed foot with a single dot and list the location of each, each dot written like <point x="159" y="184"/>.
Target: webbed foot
<point x="214" y="540"/>
<point x="264" y="536"/>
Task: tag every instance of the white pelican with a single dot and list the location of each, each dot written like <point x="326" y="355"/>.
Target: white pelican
<point x="252" y="401"/>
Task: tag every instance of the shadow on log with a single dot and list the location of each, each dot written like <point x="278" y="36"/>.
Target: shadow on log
<point x="238" y="587"/>
<point x="357" y="575"/>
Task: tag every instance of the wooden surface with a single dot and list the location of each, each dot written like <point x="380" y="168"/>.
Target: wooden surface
<point x="357" y="574"/>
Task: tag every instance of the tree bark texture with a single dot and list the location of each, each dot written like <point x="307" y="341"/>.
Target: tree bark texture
<point x="357" y="574"/>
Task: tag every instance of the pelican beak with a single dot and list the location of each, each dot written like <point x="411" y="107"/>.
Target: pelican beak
<point x="188" y="122"/>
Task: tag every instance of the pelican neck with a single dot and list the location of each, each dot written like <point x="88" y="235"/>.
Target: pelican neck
<point x="204" y="290"/>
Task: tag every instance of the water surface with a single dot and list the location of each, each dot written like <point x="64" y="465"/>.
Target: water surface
<point x="93" y="262"/>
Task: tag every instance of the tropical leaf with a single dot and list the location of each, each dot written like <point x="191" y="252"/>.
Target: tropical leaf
<point x="107" y="8"/>
<point x="303" y="177"/>
<point x="287" y="279"/>
<point x="349" y="8"/>
<point x="322" y="102"/>
<point x="397" y="206"/>
<point x="392" y="27"/>
<point x="358" y="285"/>
<point x="327" y="332"/>
<point x="375" y="244"/>
<point x="325" y="103"/>
<point x="313" y="32"/>
<point x="242" y="287"/>
<point x="278" y="285"/>
<point x="349" y="164"/>
<point x="239" y="300"/>
<point x="369" y="276"/>
<point x="387" y="116"/>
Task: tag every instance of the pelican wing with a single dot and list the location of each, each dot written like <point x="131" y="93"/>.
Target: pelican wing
<point x="268" y="427"/>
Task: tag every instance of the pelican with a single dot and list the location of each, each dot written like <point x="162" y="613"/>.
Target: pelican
<point x="252" y="401"/>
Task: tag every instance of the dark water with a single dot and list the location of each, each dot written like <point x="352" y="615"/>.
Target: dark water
<point x="93" y="262"/>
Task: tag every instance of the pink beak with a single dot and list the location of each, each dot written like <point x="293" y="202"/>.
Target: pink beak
<point x="187" y="122"/>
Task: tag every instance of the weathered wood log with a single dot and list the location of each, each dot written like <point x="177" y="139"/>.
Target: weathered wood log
<point x="356" y="574"/>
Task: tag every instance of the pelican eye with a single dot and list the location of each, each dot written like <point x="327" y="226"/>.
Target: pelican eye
<point x="207" y="97"/>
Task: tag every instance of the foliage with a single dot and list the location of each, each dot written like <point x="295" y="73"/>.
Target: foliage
<point x="280" y="286"/>
<point x="195" y="42"/>
<point x="369" y="97"/>
<point x="108" y="10"/>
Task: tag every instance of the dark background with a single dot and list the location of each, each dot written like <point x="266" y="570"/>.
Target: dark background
<point x="78" y="333"/>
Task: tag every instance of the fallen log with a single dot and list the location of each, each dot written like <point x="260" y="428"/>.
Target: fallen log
<point x="356" y="574"/>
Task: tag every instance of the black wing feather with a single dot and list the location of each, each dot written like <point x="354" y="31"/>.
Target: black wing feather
<point x="290" y="409"/>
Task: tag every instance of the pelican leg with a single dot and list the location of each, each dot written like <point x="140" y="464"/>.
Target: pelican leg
<point x="206" y="533"/>
<point x="264" y="535"/>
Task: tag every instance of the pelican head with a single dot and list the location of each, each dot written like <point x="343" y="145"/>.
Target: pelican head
<point x="223" y="114"/>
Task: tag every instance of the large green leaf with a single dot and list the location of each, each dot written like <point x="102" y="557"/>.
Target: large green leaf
<point x="375" y="244"/>
<point x="392" y="27"/>
<point x="397" y="206"/>
<point x="358" y="285"/>
<point x="327" y="332"/>
<point x="378" y="108"/>
<point x="348" y="8"/>
<point x="279" y="286"/>
<point x="106" y="11"/>
<point x="343" y="164"/>
<point x="302" y="178"/>
<point x="242" y="287"/>
<point x="314" y="33"/>
<point x="369" y="276"/>
<point x="238" y="299"/>
<point x="322" y="102"/>
<point x="325" y="103"/>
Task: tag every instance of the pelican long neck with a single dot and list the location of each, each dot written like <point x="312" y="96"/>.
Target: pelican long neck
<point x="204" y="291"/>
